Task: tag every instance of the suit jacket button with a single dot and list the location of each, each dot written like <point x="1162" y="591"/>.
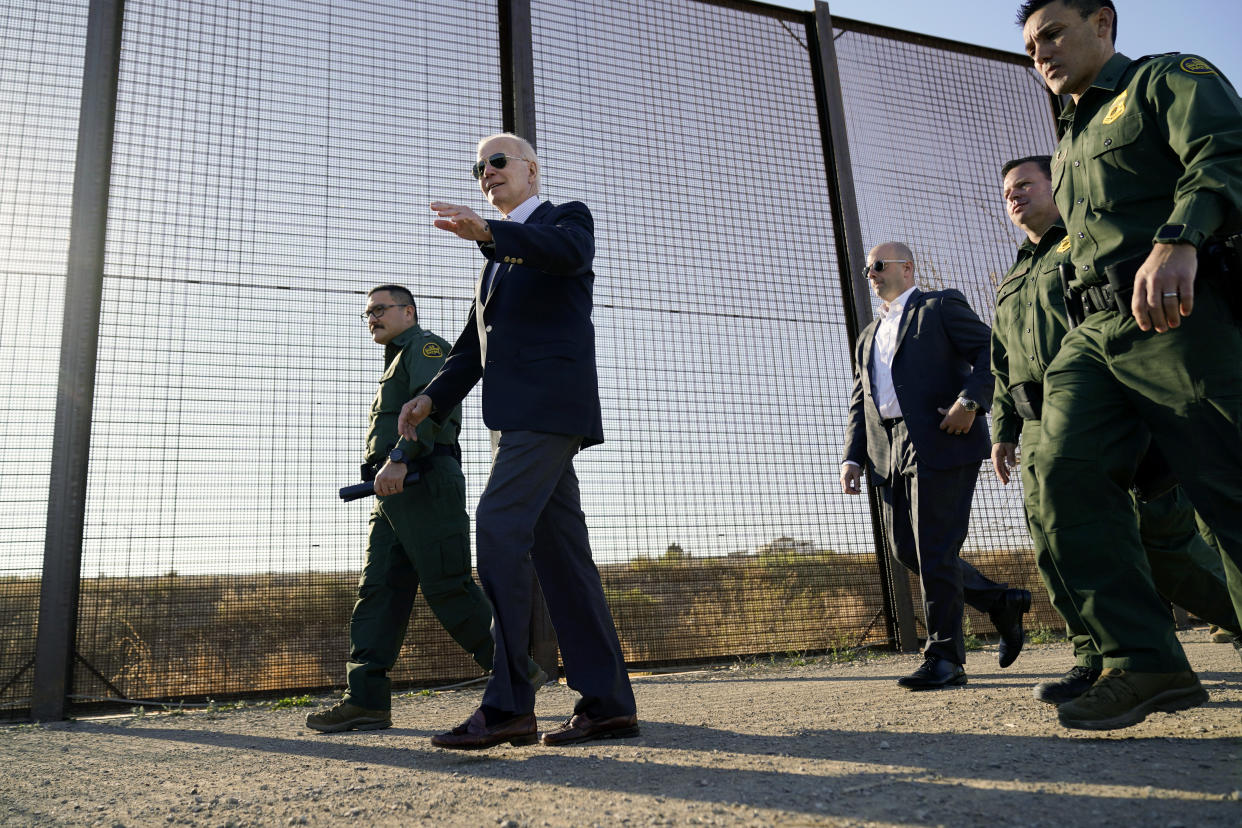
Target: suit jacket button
<point x="488" y="329"/>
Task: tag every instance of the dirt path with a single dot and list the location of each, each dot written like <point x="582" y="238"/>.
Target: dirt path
<point x="778" y="744"/>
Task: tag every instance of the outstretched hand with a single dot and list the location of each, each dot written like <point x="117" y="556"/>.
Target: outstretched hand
<point x="461" y="220"/>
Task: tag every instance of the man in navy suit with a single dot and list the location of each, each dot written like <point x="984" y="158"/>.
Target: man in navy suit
<point x="921" y="376"/>
<point x="530" y="339"/>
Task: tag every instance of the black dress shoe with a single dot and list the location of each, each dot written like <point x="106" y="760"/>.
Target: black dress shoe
<point x="474" y="734"/>
<point x="1008" y="620"/>
<point x="933" y="674"/>
<point x="582" y="728"/>
<point x="1068" y="687"/>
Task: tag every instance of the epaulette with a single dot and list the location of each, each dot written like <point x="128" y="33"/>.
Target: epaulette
<point x="1191" y="65"/>
<point x="1146" y="58"/>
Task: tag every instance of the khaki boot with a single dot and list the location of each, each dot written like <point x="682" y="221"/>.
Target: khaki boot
<point x="346" y="716"/>
<point x="1121" y="698"/>
<point x="1219" y="636"/>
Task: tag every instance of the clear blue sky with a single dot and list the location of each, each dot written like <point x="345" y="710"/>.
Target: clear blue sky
<point x="1210" y="28"/>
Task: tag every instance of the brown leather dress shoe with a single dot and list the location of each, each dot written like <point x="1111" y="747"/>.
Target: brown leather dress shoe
<point x="582" y="728"/>
<point x="474" y="734"/>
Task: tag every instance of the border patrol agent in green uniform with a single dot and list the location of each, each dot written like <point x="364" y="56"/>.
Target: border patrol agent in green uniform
<point x="1027" y="329"/>
<point x="1148" y="179"/>
<point x="419" y="535"/>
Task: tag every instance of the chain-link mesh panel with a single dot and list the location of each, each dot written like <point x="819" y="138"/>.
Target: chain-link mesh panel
<point x="40" y="92"/>
<point x="929" y="130"/>
<point x="273" y="161"/>
<point x="691" y="130"/>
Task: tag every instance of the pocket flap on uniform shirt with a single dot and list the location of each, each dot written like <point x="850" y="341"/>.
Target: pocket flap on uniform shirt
<point x="1010" y="286"/>
<point x="1122" y="132"/>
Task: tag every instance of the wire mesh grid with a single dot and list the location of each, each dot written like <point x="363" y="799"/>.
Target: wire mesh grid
<point x="40" y="91"/>
<point x="273" y="161"/>
<point x="691" y="130"/>
<point x="929" y="130"/>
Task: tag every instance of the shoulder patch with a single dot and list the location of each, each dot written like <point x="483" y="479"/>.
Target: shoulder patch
<point x="433" y="350"/>
<point x="1117" y="108"/>
<point x="1197" y="66"/>
<point x="1064" y="245"/>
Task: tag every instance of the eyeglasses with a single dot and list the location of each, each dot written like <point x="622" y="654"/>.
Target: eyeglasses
<point x="378" y="311"/>
<point x="498" y="160"/>
<point x="878" y="265"/>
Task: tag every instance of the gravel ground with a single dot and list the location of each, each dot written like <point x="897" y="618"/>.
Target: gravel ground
<point x="782" y="743"/>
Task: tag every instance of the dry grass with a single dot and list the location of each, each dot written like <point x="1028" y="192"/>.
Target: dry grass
<point x="173" y="637"/>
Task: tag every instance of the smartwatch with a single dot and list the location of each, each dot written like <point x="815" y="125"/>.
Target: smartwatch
<point x="1179" y="234"/>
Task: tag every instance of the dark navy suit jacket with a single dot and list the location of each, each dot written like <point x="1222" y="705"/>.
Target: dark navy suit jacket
<point x="531" y="340"/>
<point x="942" y="354"/>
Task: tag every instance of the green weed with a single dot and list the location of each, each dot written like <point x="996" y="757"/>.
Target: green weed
<point x="969" y="639"/>
<point x="1045" y="635"/>
<point x="292" y="701"/>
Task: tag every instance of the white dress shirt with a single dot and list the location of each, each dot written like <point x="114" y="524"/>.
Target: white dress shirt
<point x="884" y="348"/>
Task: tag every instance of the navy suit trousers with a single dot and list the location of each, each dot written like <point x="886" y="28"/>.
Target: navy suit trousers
<point x="926" y="514"/>
<point x="530" y="524"/>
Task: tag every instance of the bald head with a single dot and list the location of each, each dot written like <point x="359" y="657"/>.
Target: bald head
<point x="894" y="250"/>
<point x="890" y="267"/>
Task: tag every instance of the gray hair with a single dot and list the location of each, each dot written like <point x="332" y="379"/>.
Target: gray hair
<point x="528" y="152"/>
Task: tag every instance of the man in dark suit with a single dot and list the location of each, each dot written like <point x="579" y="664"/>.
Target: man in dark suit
<point x="530" y="339"/>
<point x="921" y="377"/>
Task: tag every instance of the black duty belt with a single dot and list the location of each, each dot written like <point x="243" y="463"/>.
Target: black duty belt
<point x="891" y="422"/>
<point x="371" y="468"/>
<point x="1217" y="258"/>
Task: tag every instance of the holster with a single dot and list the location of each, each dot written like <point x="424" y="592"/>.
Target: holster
<point x="1153" y="477"/>
<point x="1028" y="399"/>
<point x="1220" y="262"/>
<point x="1073" y="300"/>
<point x="1120" y="278"/>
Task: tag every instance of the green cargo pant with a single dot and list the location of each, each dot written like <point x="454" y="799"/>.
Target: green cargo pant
<point x="1185" y="569"/>
<point x="421" y="536"/>
<point x="1109" y="386"/>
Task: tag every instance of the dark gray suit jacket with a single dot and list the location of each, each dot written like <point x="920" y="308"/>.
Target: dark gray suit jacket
<point x="942" y="354"/>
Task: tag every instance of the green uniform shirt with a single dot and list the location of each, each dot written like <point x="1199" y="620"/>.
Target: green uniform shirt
<point x="1152" y="144"/>
<point x="413" y="358"/>
<point x="1028" y="326"/>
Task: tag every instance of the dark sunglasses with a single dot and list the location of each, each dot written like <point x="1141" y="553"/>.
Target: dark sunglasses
<point x="878" y="265"/>
<point x="498" y="160"/>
